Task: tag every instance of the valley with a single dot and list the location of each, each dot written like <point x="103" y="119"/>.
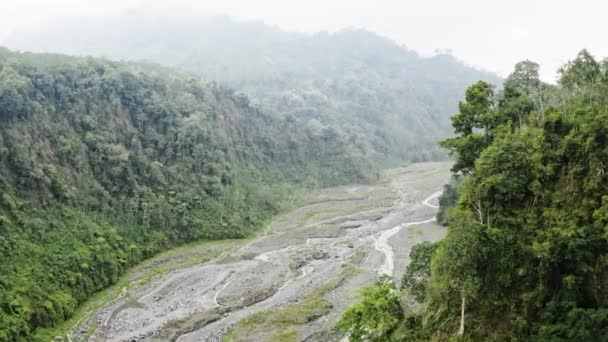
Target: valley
<point x="183" y="171"/>
<point x="290" y="283"/>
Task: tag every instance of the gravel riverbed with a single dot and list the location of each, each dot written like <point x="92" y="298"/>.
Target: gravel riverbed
<point x="369" y="227"/>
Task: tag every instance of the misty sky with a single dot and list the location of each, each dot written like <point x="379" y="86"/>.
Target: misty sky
<point x="490" y="34"/>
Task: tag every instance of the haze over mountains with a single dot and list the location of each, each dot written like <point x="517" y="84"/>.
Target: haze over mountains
<point x="286" y="166"/>
<point x="392" y="102"/>
<point x="106" y="163"/>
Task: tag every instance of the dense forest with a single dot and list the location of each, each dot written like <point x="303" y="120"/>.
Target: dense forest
<point x="162" y="129"/>
<point x="525" y="254"/>
<point x="393" y="102"/>
<point x="103" y="164"/>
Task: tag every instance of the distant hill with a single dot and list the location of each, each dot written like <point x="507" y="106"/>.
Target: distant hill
<point x="384" y="98"/>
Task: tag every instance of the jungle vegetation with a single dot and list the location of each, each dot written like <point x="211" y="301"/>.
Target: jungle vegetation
<point x="525" y="257"/>
<point x="103" y="164"/>
<point x="106" y="163"/>
<point x="390" y="101"/>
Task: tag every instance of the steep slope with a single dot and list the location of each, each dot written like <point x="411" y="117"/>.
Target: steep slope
<point x="387" y="99"/>
<point x="528" y="238"/>
<point x="525" y="255"/>
<point x="103" y="164"/>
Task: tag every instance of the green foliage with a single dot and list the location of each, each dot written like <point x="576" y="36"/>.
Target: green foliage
<point x="418" y="271"/>
<point x="479" y="121"/>
<point x="14" y="93"/>
<point x="287" y="336"/>
<point x="376" y="316"/>
<point x="410" y="329"/>
<point x="388" y="101"/>
<point x="448" y="200"/>
<point x="525" y="255"/>
<point x="514" y="106"/>
<point x="525" y="79"/>
<point x="581" y="73"/>
<point x="308" y="310"/>
<point x="475" y="114"/>
<point x="104" y="164"/>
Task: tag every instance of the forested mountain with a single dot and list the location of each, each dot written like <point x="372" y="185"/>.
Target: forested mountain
<point x="387" y="99"/>
<point x="103" y="164"/>
<point x="525" y="254"/>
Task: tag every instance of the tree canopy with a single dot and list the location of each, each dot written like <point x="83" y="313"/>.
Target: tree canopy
<point x="385" y="98"/>
<point x="103" y="164"/>
<point x="525" y="256"/>
<point x="528" y="238"/>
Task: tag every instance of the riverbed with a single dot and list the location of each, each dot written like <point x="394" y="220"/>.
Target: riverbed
<point x="308" y="265"/>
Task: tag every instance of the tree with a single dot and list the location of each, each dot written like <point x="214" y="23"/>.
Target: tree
<point x="527" y="247"/>
<point x="526" y="78"/>
<point x="14" y="93"/>
<point x="514" y="106"/>
<point x="418" y="271"/>
<point x="103" y="164"/>
<point x="474" y="125"/>
<point x="375" y="316"/>
<point x="582" y="72"/>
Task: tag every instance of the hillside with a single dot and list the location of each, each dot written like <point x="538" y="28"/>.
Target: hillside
<point x="386" y="99"/>
<point x="103" y="164"/>
<point x="114" y="162"/>
<point x="524" y="258"/>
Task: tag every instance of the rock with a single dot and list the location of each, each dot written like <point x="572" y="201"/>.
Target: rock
<point x="320" y="255"/>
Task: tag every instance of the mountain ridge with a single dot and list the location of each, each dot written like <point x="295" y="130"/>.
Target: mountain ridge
<point x="374" y="90"/>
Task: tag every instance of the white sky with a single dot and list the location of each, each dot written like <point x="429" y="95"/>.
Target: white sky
<point x="491" y="34"/>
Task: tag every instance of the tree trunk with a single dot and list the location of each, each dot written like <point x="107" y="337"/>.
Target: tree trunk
<point x="479" y="210"/>
<point x="462" y="308"/>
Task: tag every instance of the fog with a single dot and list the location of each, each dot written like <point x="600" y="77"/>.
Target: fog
<point x="492" y="35"/>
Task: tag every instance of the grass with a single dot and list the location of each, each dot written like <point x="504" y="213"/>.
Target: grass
<point x="250" y="297"/>
<point x="297" y="314"/>
<point x="280" y="322"/>
<point x="287" y="336"/>
<point x="90" y="331"/>
<point x="379" y="191"/>
<point x="338" y="211"/>
<point x="415" y="232"/>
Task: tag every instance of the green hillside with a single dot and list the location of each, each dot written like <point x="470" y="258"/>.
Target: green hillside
<point x="525" y="254"/>
<point x="103" y="164"/>
<point x="387" y="99"/>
